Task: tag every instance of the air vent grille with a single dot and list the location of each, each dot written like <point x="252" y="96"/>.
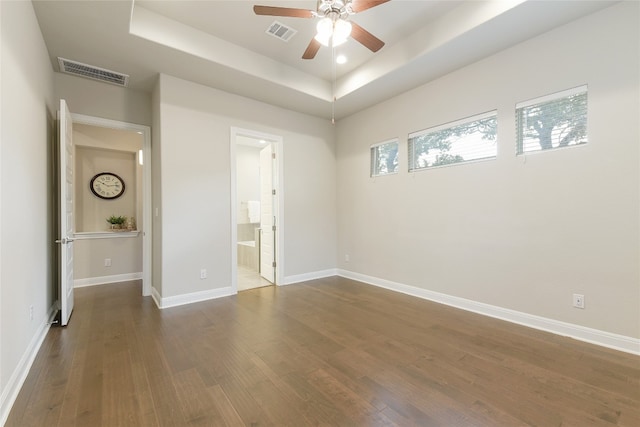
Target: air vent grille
<point x="91" y="72"/>
<point x="281" y="31"/>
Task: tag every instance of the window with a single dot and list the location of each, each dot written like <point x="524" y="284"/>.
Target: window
<point x="554" y="121"/>
<point x="384" y="158"/>
<point x="466" y="140"/>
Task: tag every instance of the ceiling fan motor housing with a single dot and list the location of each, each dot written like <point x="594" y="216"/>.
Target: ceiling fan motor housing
<point x="334" y="9"/>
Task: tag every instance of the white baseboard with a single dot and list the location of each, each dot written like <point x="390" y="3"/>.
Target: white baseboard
<point x="191" y="298"/>
<point x="103" y="280"/>
<point x="581" y="333"/>
<point x="156" y="297"/>
<point x="19" y="375"/>
<point x="289" y="280"/>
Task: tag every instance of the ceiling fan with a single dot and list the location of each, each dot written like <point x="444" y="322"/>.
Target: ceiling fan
<point x="333" y="27"/>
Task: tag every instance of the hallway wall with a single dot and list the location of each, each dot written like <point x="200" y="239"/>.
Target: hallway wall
<point x="27" y="195"/>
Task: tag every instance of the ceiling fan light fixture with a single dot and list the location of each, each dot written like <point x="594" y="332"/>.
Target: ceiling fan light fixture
<point x="341" y="32"/>
<point x="338" y="41"/>
<point x="324" y="28"/>
<point x="329" y="31"/>
<point x="322" y="39"/>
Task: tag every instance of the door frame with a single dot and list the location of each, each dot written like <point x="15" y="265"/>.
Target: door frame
<point x="278" y="184"/>
<point x="145" y="132"/>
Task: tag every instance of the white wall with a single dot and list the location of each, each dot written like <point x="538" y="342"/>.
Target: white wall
<point x="125" y="254"/>
<point x="91" y="211"/>
<point x="107" y="101"/>
<point x="248" y="179"/>
<point x="196" y="184"/>
<point x="27" y="189"/>
<point x="523" y="233"/>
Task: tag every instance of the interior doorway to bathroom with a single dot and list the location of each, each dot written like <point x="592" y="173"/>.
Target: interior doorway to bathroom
<point x="256" y="213"/>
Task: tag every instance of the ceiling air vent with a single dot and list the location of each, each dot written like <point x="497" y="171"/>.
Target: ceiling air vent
<point x="91" y="72"/>
<point x="281" y="31"/>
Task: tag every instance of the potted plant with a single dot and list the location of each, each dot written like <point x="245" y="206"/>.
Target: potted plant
<point x="116" y="221"/>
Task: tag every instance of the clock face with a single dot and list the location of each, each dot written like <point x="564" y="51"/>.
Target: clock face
<point x="107" y="185"/>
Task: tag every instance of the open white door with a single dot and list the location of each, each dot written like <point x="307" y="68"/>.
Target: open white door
<point x="66" y="213"/>
<point x="267" y="219"/>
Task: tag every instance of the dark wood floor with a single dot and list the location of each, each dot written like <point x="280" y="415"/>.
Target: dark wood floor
<point x="327" y="352"/>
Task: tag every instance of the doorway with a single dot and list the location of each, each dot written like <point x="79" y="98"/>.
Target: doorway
<point x="105" y="144"/>
<point x="257" y="226"/>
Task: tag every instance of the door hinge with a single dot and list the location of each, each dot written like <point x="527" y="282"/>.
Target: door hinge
<point x="273" y="192"/>
<point x="273" y="156"/>
<point x="273" y="227"/>
<point x="273" y="264"/>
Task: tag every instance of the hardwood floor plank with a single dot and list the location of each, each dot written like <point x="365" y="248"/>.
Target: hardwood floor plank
<point x="359" y="410"/>
<point x="230" y="416"/>
<point x="284" y="388"/>
<point x="358" y="387"/>
<point x="141" y="386"/>
<point x="277" y="407"/>
<point x="398" y="409"/>
<point x="119" y="392"/>
<point x="89" y="407"/>
<point x="247" y="408"/>
<point x="317" y="406"/>
<point x="328" y="352"/>
<point x="313" y="409"/>
<point x="165" y="400"/>
<point x="194" y="399"/>
<point x="73" y="387"/>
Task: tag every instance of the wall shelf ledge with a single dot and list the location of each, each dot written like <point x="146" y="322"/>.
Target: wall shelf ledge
<point x="89" y="235"/>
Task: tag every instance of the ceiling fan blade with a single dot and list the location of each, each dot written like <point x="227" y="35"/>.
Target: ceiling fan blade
<point x="361" y="5"/>
<point x="367" y="39"/>
<point x="312" y="49"/>
<point x="282" y="11"/>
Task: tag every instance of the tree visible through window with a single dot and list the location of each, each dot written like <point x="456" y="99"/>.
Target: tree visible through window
<point x="466" y="140"/>
<point x="384" y="158"/>
<point x="555" y="121"/>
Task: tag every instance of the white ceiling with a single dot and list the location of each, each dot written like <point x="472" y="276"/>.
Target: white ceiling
<point x="223" y="44"/>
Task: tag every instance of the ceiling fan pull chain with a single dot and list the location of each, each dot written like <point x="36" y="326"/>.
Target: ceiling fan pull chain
<point x="333" y="89"/>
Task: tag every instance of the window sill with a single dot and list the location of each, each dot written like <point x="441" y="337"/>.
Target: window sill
<point x="90" y="235"/>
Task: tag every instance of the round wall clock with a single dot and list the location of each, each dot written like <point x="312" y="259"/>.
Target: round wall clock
<point x="107" y="185"/>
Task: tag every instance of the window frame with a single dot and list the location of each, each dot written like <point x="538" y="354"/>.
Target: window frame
<point x="520" y="151"/>
<point x="373" y="160"/>
<point x="469" y="119"/>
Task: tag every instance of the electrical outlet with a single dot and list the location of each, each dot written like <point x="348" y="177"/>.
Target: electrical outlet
<point x="346" y="258"/>
<point x="203" y="273"/>
<point x="107" y="262"/>
<point x="578" y="301"/>
<point x="30" y="312"/>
